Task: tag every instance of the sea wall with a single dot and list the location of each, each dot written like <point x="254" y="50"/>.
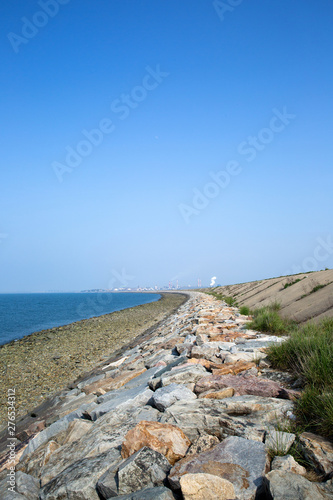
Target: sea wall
<point x="192" y="411"/>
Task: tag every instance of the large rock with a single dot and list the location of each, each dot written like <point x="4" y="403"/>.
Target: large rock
<point x="158" y="493"/>
<point x="279" y="443"/>
<point x="246" y="416"/>
<point x="51" y="431"/>
<point x="166" y="396"/>
<point x="124" y="399"/>
<point x="145" y="468"/>
<point x="206" y="487"/>
<point x="318" y="450"/>
<point x="202" y="443"/>
<point x="189" y="374"/>
<point x="165" y="438"/>
<point x="287" y="464"/>
<point x="288" y="486"/>
<point x="242" y="385"/>
<point x="240" y="461"/>
<point x="79" y="479"/>
<point x="24" y="487"/>
<point x="106" y="433"/>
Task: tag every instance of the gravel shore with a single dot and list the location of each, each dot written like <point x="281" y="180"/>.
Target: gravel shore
<point x="43" y="363"/>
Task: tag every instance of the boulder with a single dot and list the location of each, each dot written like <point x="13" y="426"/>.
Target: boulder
<point x="206" y="487"/>
<point x="202" y="443"/>
<point x="166" y="396"/>
<point x="233" y="368"/>
<point x="158" y="493"/>
<point x="165" y="438"/>
<point x="279" y="443"/>
<point x="287" y="464"/>
<point x="79" y="479"/>
<point x="240" y="461"/>
<point x="228" y="392"/>
<point x="76" y="429"/>
<point x="318" y="450"/>
<point x="249" y="385"/>
<point x="26" y="487"/>
<point x="124" y="399"/>
<point x="283" y="485"/>
<point x="187" y="375"/>
<point x="144" y="469"/>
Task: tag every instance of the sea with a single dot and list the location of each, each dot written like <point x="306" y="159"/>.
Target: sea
<point x="25" y="313"/>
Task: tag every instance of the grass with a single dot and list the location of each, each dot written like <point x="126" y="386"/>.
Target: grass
<point x="315" y="289"/>
<point x="231" y="301"/>
<point x="290" y="283"/>
<point x="267" y="319"/>
<point x="244" y="310"/>
<point x="308" y="353"/>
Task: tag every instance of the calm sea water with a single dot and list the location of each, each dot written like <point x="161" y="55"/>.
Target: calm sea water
<point x="25" y="313"/>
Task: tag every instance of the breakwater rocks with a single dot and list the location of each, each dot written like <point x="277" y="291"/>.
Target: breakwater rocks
<point x="193" y="411"/>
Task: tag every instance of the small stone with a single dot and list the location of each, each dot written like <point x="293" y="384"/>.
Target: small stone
<point x="206" y="487"/>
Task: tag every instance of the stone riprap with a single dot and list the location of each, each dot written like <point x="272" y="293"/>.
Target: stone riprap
<point x="193" y="401"/>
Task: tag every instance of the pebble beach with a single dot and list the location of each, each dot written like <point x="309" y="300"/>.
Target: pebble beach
<point x="44" y="362"/>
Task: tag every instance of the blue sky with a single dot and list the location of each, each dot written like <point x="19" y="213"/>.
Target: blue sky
<point x="164" y="140"/>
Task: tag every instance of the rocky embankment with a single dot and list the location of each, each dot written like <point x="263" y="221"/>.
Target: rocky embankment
<point x="192" y="411"/>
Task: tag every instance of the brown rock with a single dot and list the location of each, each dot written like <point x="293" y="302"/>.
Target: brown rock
<point x="206" y="487"/>
<point x="164" y="438"/>
<point x="242" y="385"/>
<point x="233" y="368"/>
<point x="224" y="393"/>
<point x="318" y="450"/>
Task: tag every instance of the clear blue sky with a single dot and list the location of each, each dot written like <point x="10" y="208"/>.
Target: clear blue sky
<point x="214" y="150"/>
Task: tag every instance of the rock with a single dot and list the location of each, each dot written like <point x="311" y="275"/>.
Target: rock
<point x="51" y="431"/>
<point x="76" y="429"/>
<point x="39" y="458"/>
<point x="288" y="486"/>
<point x="106" y="433"/>
<point x="165" y="438"/>
<point x="202" y="443"/>
<point x="110" y="383"/>
<point x="318" y="450"/>
<point x="79" y="479"/>
<point x="5" y="494"/>
<point x="187" y="375"/>
<point x="201" y="338"/>
<point x="250" y="385"/>
<point x="246" y="416"/>
<point x="90" y="380"/>
<point x="206" y="487"/>
<point x="287" y="464"/>
<point x="233" y="368"/>
<point x="240" y="461"/>
<point x="27" y="486"/>
<point x="145" y="468"/>
<point x="228" y="392"/>
<point x="158" y="493"/>
<point x="139" y="396"/>
<point x="279" y="443"/>
<point x="166" y="396"/>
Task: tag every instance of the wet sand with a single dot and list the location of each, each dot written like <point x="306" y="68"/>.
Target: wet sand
<point x="45" y="362"/>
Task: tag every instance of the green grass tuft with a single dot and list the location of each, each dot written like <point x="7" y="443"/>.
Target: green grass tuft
<point x="267" y="319"/>
<point x="244" y="310"/>
<point x="308" y="353"/>
<point x="290" y="283"/>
